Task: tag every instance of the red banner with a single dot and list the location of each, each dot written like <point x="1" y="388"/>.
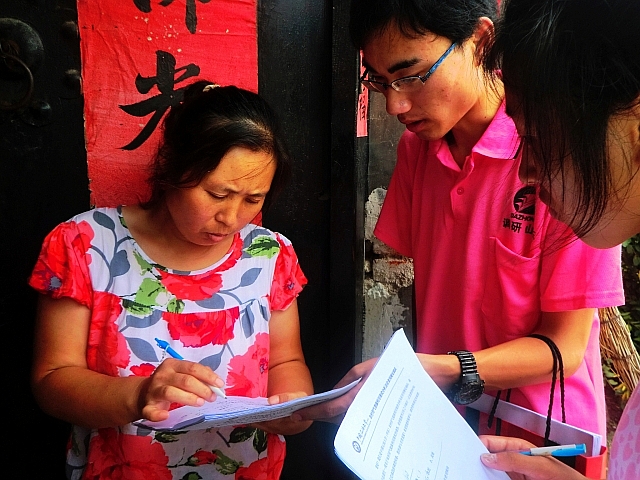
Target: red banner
<point x="137" y="57"/>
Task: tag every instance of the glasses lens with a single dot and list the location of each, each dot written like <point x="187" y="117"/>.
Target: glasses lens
<point x="371" y="85"/>
<point x="407" y="84"/>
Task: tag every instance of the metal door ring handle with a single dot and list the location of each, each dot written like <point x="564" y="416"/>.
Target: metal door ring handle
<point x="11" y="61"/>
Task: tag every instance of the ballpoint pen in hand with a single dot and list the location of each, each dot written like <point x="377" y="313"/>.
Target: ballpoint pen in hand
<point x="167" y="348"/>
<point x="558" y="450"/>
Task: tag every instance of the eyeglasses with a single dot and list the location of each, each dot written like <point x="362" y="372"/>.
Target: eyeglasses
<point x="404" y="84"/>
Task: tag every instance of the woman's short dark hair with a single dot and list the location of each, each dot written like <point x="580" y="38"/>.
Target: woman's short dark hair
<point x="453" y="19"/>
<point x="567" y="67"/>
<point x="198" y="132"/>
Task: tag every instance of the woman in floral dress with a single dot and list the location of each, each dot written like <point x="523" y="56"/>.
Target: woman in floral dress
<point x="191" y="268"/>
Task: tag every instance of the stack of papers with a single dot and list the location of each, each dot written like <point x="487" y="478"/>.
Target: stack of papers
<point x="237" y="411"/>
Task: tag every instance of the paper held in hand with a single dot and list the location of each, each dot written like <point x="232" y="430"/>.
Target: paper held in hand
<point x="237" y="411"/>
<point x="401" y="426"/>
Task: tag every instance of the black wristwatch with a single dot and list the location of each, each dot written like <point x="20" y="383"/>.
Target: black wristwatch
<point x="470" y="386"/>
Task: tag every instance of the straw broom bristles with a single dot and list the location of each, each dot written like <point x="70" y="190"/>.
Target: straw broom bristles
<point x="616" y="345"/>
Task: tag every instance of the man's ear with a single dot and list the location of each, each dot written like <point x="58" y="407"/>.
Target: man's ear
<point x="481" y="37"/>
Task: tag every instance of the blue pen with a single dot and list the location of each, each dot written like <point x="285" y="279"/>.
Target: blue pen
<point x="558" y="450"/>
<point x="165" y="346"/>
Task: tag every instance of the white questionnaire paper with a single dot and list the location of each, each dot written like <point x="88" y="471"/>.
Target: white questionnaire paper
<point x="237" y="411"/>
<point x="401" y="426"/>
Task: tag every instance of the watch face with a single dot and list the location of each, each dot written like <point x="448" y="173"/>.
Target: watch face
<point x="469" y="393"/>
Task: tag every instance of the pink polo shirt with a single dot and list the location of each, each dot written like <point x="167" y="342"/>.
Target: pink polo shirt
<point x="488" y="259"/>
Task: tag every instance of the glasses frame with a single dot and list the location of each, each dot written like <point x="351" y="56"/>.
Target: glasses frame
<point x="381" y="87"/>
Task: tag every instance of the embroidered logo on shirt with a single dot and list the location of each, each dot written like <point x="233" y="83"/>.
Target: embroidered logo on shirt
<point x="525" y="201"/>
<point x="524" y="205"/>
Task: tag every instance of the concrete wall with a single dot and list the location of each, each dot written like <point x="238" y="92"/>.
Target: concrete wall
<point x="388" y="283"/>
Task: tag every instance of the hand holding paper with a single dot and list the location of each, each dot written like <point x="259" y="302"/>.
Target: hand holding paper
<point x="333" y="411"/>
<point x="401" y="426"/>
<point x="237" y="411"/>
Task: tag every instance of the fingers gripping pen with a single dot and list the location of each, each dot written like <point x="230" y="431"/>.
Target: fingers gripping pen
<point x="167" y="348"/>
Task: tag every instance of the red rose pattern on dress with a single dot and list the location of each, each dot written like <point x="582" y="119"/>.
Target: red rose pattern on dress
<point x="266" y="468"/>
<point x="196" y="287"/>
<point x="202" y="458"/>
<point x="248" y="373"/>
<point x="143" y="370"/>
<point x="65" y="246"/>
<point x="200" y="329"/>
<point x="107" y="348"/>
<point x="126" y="457"/>
<point x="218" y="316"/>
<point x="288" y="279"/>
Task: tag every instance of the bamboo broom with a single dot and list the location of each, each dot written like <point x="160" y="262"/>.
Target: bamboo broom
<point x="616" y="345"/>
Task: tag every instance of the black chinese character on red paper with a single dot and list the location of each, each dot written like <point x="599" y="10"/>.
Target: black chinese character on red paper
<point x="191" y="18"/>
<point x="165" y="80"/>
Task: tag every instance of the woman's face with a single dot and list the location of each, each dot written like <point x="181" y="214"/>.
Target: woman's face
<point x="621" y="218"/>
<point x="226" y="199"/>
<point x="446" y="97"/>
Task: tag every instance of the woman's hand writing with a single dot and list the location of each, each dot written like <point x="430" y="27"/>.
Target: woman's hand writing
<point x="176" y="381"/>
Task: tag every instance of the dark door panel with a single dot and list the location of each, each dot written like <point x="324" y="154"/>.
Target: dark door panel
<point x="43" y="181"/>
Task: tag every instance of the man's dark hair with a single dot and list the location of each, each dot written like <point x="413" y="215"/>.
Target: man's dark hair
<point x="453" y="19"/>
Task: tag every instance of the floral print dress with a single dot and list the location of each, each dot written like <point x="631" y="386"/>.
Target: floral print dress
<point x="218" y="316"/>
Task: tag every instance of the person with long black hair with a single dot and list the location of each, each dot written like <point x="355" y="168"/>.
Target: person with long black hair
<point x="571" y="70"/>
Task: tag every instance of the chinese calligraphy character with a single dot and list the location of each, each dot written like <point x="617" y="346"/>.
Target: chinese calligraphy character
<point x="362" y="108"/>
<point x="516" y="226"/>
<point x="506" y="223"/>
<point x="165" y="80"/>
<point x="191" y="19"/>
<point x="143" y="5"/>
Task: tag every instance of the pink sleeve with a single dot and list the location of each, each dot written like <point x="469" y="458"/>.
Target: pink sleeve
<point x="62" y="269"/>
<point x="394" y="224"/>
<point x="578" y="276"/>
<point x="288" y="278"/>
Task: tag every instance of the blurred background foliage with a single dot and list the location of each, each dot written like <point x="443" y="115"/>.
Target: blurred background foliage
<point x="631" y="276"/>
<point x="630" y="311"/>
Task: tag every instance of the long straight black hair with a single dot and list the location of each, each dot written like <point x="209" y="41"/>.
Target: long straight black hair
<point x="568" y="66"/>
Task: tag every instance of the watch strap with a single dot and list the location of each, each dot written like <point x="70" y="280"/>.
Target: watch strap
<point x="469" y="386"/>
<point x="468" y="367"/>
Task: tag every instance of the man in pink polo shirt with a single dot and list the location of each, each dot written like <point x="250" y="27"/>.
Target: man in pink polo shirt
<point x="492" y="267"/>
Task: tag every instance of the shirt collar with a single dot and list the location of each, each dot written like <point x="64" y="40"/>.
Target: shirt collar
<point x="500" y="139"/>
